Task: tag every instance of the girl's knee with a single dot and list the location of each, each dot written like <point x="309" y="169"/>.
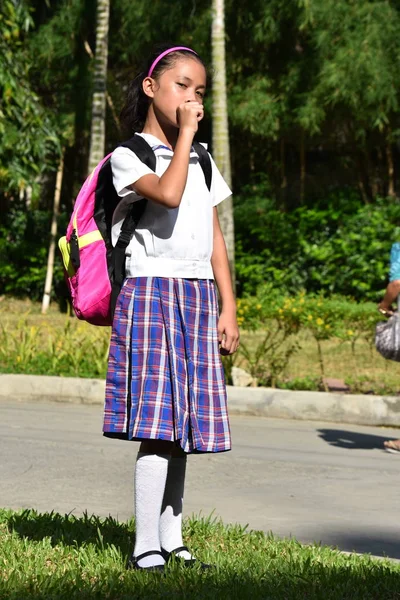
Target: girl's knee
<point x="177" y="451"/>
<point x="156" y="447"/>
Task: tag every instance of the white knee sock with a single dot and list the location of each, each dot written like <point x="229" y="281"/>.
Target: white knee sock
<point x="150" y="477"/>
<point x="171" y="512"/>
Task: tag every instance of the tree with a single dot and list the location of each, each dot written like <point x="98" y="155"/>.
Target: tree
<point x="221" y="149"/>
<point x="359" y="59"/>
<point x="28" y="140"/>
<point x="97" y="135"/>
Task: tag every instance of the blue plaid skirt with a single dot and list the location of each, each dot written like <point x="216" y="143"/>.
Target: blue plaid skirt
<point x="165" y="378"/>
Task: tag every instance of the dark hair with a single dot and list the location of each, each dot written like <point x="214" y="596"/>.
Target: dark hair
<point x="134" y="112"/>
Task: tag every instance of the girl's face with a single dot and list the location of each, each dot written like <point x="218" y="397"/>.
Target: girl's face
<point x="185" y="81"/>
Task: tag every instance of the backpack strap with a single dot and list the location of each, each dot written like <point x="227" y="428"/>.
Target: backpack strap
<point x="144" y="152"/>
<point x="205" y="162"/>
<point x="142" y="149"/>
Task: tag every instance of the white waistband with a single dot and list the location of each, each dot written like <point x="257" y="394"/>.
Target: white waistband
<point x="169" y="267"/>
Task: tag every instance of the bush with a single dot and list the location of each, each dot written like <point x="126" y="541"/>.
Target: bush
<point x="338" y="247"/>
<point x="279" y="333"/>
<point x="24" y="242"/>
<point x="281" y="318"/>
<point x="75" y="350"/>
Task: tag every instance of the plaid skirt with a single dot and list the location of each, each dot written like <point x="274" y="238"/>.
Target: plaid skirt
<point x="165" y="378"/>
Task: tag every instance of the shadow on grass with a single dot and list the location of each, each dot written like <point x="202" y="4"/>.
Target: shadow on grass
<point x="249" y="566"/>
<point x="311" y="581"/>
<point x="75" y="531"/>
<point x="353" y="440"/>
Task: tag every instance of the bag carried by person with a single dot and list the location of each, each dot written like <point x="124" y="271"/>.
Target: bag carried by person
<point x="387" y="338"/>
<point x="94" y="269"/>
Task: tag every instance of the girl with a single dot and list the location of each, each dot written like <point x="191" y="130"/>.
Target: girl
<point x="165" y="382"/>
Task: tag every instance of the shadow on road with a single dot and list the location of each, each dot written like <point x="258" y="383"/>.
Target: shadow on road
<point x="382" y="544"/>
<point x="353" y="440"/>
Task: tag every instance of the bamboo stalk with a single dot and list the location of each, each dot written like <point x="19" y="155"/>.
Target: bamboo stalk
<point x="110" y="102"/>
<point x="97" y="134"/>
<point x="53" y="233"/>
<point x="221" y="151"/>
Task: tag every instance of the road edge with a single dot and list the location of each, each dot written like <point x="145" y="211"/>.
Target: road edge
<point x="263" y="402"/>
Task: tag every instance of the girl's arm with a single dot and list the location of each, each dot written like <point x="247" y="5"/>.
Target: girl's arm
<point x="168" y="189"/>
<point x="228" y="331"/>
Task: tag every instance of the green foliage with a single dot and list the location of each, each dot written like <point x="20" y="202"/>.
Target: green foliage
<point x="268" y="361"/>
<point x="27" y="137"/>
<point x="258" y="110"/>
<point x="312" y="384"/>
<point x="280" y="321"/>
<point x="23" y="252"/>
<point x="358" y="44"/>
<point x="276" y="330"/>
<point x="313" y="107"/>
<point x="72" y="351"/>
<point x="364" y="385"/>
<point x="340" y="246"/>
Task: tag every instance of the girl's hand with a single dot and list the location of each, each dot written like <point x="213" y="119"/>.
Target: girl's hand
<point x="228" y="333"/>
<point x="189" y="114"/>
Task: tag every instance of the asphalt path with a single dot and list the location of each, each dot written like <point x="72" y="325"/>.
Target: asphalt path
<point x="320" y="482"/>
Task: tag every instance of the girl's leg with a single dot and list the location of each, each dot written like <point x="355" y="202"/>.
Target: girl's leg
<point x="171" y="512"/>
<point x="150" y="477"/>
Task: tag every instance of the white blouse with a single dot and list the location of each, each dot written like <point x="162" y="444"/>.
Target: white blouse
<point x="169" y="242"/>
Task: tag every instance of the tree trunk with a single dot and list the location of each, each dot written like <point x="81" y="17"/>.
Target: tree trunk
<point x="380" y="172"/>
<point x="283" y="177"/>
<point x="390" y="165"/>
<point x="109" y="100"/>
<point x="282" y="161"/>
<point x="97" y="134"/>
<point x="302" y="168"/>
<point x="363" y="181"/>
<point x="220" y="127"/>
<point x="53" y="234"/>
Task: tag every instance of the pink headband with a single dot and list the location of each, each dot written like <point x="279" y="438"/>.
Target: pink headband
<point x="175" y="49"/>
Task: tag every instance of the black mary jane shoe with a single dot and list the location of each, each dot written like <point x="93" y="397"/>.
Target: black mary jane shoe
<point x="185" y="562"/>
<point x="133" y="562"/>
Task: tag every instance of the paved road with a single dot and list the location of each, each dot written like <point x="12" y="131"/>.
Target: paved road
<point x="316" y="481"/>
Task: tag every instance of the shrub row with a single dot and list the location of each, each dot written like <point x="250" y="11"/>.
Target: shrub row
<point x="339" y="246"/>
<point x="281" y="319"/>
<point x="275" y="327"/>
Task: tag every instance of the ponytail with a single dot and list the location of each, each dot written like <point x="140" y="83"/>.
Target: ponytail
<point x="134" y="112"/>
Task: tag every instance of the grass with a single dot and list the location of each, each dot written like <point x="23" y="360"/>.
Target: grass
<point x="66" y="557"/>
<point x="364" y="369"/>
<point x="52" y="344"/>
<point x="58" y="344"/>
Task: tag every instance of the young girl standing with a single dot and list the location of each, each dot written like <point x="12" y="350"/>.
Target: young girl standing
<point x="165" y="382"/>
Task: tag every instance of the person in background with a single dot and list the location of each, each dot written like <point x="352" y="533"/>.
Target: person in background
<point x="386" y="308"/>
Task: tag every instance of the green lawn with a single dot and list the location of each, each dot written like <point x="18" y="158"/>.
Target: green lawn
<point x="364" y="369"/>
<point x="65" y="557"/>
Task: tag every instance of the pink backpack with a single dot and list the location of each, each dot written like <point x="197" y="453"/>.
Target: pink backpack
<point x="94" y="269"/>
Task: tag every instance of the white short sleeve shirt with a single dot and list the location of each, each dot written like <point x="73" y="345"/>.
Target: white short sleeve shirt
<point x="168" y="242"/>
